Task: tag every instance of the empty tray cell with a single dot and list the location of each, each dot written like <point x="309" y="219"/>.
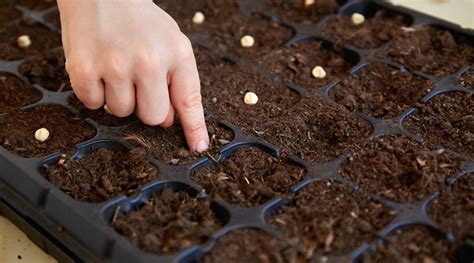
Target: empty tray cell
<point x="169" y="145"/>
<point x="381" y="91"/>
<point x="225" y="85"/>
<point x="432" y="50"/>
<point x="315" y="130"/>
<point x="47" y="71"/>
<point x="400" y="169"/>
<point x="17" y="131"/>
<point x="295" y="64"/>
<point x="249" y="177"/>
<point x="414" y="244"/>
<point x="328" y="218"/>
<point x="41" y="38"/>
<point x="101" y="116"/>
<point x="168" y="222"/>
<point x="14" y="93"/>
<point x="8" y="12"/>
<point x="447" y="120"/>
<point x="454" y="208"/>
<point x="372" y="33"/>
<point x="298" y="11"/>
<point x="35" y="4"/>
<point x="467" y="79"/>
<point x="102" y="174"/>
<point x="251" y="245"/>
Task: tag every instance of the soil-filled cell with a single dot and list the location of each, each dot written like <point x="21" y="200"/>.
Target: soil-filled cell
<point x="328" y="218"/>
<point x="101" y="116"/>
<point x="101" y="175"/>
<point x="8" y="12"/>
<point x="298" y="11"/>
<point x="250" y="177"/>
<point x="447" y="120"/>
<point x="168" y="223"/>
<point x="48" y="71"/>
<point x="381" y="91"/>
<point x="467" y="79"/>
<point x="414" y="244"/>
<point x="15" y="94"/>
<point x="17" y="131"/>
<point x="430" y="50"/>
<point x="315" y="131"/>
<point x="295" y="64"/>
<point x="454" y="208"/>
<point x="400" y="169"/>
<point x="251" y="245"/>
<point x="41" y="38"/>
<point x="372" y="33"/>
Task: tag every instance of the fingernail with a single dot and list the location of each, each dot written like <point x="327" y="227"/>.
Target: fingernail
<point x="202" y="146"/>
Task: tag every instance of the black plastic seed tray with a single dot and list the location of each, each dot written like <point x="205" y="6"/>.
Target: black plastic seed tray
<point x="77" y="231"/>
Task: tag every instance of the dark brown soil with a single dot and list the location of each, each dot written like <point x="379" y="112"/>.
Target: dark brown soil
<point x="454" y="209"/>
<point x="35" y="4"/>
<point x="169" y="145"/>
<point x="373" y="33"/>
<point x="18" y="129"/>
<point x="54" y="19"/>
<point x="381" y="91"/>
<point x="295" y="64"/>
<point x="447" y="119"/>
<point x="433" y="51"/>
<point x="250" y="177"/>
<point x="100" y="116"/>
<point x="315" y="130"/>
<point x="467" y="79"/>
<point x="48" y="71"/>
<point x="42" y="39"/>
<point x="8" y="12"/>
<point x="15" y="94"/>
<point x="331" y="219"/>
<point x="416" y="244"/>
<point x="295" y="10"/>
<point x="101" y="175"/>
<point x="399" y="169"/>
<point x="250" y="246"/>
<point x="168" y="223"/>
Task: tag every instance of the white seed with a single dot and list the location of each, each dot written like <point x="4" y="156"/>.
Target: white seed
<point x="247" y="41"/>
<point x="309" y="2"/>
<point x="198" y="18"/>
<point x="250" y="98"/>
<point x="319" y="72"/>
<point x="24" y="41"/>
<point x="42" y="134"/>
<point x="107" y="110"/>
<point x="357" y="18"/>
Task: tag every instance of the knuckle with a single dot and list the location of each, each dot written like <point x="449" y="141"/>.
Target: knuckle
<point x="148" y="64"/>
<point x="80" y="72"/>
<point x="121" y="111"/>
<point x="192" y="102"/>
<point x="115" y="68"/>
<point x="153" y="120"/>
<point x="90" y="100"/>
<point x="184" y="48"/>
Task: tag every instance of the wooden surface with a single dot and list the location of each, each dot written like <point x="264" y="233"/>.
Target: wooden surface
<point x="15" y="246"/>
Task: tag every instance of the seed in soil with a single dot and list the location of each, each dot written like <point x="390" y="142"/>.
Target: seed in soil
<point x="15" y="94"/>
<point x="400" y="169"/>
<point x="357" y="18"/>
<point x="168" y="223"/>
<point x="454" y="209"/>
<point x="296" y="63"/>
<point x="303" y="11"/>
<point x="48" y="71"/>
<point x="107" y="110"/>
<point x="448" y="120"/>
<point x="247" y="41"/>
<point x="319" y="72"/>
<point x="413" y="244"/>
<point x="331" y="219"/>
<point x="250" y="98"/>
<point x="198" y="18"/>
<point x="431" y="50"/>
<point x="372" y="33"/>
<point x="41" y="38"/>
<point x="100" y="116"/>
<point x="24" y="41"/>
<point x="41" y="134"/>
<point x="250" y="245"/>
<point x="315" y="130"/>
<point x="250" y="177"/>
<point x="380" y="91"/>
<point x="17" y="129"/>
<point x="101" y="175"/>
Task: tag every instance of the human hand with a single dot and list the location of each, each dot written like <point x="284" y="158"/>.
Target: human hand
<point x="132" y="56"/>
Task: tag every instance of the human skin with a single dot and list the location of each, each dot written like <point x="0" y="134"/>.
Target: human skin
<point x="132" y="56"/>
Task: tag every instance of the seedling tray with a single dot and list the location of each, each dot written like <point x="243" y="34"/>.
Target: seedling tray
<point x="373" y="162"/>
